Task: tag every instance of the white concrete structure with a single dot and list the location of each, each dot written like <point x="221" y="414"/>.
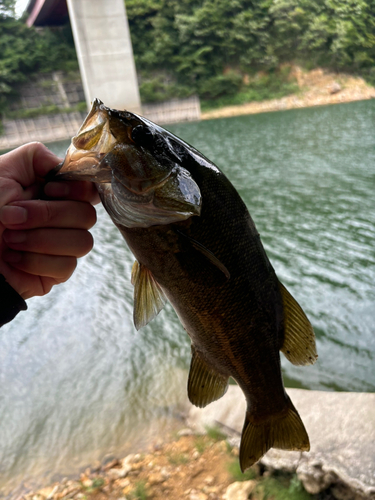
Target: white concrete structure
<point x="105" y="55"/>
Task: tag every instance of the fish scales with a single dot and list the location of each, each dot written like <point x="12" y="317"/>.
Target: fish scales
<point x="196" y="245"/>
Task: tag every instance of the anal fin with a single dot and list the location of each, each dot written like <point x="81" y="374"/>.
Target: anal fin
<point x="149" y="298"/>
<point x="205" y="384"/>
<point x="299" y="339"/>
<point x="285" y="431"/>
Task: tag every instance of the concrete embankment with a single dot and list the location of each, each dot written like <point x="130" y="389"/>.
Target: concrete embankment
<point x="47" y="128"/>
<point x="63" y="126"/>
<point x="341" y="427"/>
<point x="63" y="94"/>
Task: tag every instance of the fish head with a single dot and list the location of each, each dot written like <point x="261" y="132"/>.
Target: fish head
<point x="136" y="165"/>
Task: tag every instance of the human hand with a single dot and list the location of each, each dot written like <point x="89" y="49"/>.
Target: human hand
<point x="41" y="239"/>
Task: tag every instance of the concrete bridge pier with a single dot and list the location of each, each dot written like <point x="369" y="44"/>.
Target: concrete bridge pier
<point x="105" y="55"/>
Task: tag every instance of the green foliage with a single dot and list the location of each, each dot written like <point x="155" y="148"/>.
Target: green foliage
<point x="282" y="487"/>
<point x="177" y="458"/>
<point x="200" y="444"/>
<point x="25" y="51"/>
<point x="234" y="470"/>
<point x="215" y="433"/>
<point x="52" y="109"/>
<point x="161" y="87"/>
<point x="272" y="85"/>
<point x="207" y="46"/>
<point x="98" y="482"/>
<point x="7" y="8"/>
<point x="139" y="492"/>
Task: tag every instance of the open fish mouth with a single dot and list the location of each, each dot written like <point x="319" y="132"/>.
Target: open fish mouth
<point x="125" y="155"/>
<point x="92" y="142"/>
<point x="86" y="157"/>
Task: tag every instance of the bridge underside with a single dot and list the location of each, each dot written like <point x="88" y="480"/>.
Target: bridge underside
<point x="47" y="13"/>
<point x="104" y="50"/>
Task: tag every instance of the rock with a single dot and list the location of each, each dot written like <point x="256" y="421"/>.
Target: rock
<point x="155" y="478"/>
<point x="110" y="464"/>
<point x="107" y="489"/>
<point x="48" y="492"/>
<point x="185" y="432"/>
<point x="129" y="459"/>
<point x="122" y="483"/>
<point x="108" y="459"/>
<point x="341" y="427"/>
<point x="240" y="490"/>
<point x="209" y="480"/>
<point x="114" y="474"/>
<point x="197" y="495"/>
<point x="316" y="480"/>
<point x="86" y="483"/>
<point x="334" y="88"/>
<point x="342" y="492"/>
<point x="165" y="473"/>
<point x="71" y="489"/>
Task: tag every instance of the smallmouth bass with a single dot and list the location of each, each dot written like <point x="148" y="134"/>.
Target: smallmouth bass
<point x="196" y="245"/>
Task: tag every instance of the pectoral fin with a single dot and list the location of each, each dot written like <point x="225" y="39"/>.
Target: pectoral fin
<point x="205" y="384"/>
<point x="207" y="253"/>
<point x="299" y="339"/>
<point x="149" y="298"/>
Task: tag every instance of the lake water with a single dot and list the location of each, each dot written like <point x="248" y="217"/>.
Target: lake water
<point x="76" y="379"/>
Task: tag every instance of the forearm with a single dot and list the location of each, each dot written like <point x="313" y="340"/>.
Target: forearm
<point x="10" y="302"/>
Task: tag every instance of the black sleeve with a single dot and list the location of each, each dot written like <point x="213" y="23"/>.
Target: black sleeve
<point x="10" y="302"/>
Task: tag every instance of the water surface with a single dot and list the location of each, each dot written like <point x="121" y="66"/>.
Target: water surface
<point x="76" y="379"/>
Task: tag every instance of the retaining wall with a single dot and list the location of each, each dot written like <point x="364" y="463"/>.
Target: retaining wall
<point x="65" y="92"/>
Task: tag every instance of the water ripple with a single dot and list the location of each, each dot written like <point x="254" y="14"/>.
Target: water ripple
<point x="77" y="380"/>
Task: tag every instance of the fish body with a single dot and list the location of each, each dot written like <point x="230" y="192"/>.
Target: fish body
<point x="196" y="244"/>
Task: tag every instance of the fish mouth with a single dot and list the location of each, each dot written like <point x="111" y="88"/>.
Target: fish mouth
<point x="94" y="140"/>
<point x="140" y="179"/>
<point x="99" y="135"/>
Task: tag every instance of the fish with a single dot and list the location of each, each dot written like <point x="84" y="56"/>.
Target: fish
<point x="196" y="245"/>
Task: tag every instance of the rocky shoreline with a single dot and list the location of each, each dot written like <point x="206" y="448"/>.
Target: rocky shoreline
<point x="200" y="461"/>
<point x="190" y="466"/>
<point x="317" y="88"/>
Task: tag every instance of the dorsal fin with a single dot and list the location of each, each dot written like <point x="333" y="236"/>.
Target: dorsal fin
<point x="299" y="339"/>
<point x="205" y="384"/>
<point x="149" y="298"/>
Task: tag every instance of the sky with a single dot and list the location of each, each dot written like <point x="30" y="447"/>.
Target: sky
<point x="21" y="6"/>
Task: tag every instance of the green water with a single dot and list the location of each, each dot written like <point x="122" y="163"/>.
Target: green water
<point x="77" y="380"/>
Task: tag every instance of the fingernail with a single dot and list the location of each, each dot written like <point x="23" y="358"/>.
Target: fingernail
<point x="12" y="257"/>
<point x="10" y="215"/>
<point x="14" y="236"/>
<point x="56" y="190"/>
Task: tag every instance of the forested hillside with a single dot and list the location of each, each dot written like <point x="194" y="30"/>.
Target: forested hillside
<point x="215" y="47"/>
<point x="26" y="51"/>
<point x="224" y="50"/>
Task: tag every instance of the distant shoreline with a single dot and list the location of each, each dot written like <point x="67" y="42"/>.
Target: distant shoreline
<point x="317" y="88"/>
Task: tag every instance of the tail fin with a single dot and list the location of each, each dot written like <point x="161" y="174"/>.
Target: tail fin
<point x="285" y="431"/>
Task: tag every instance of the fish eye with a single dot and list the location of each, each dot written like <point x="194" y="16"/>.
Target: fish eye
<point x="141" y="135"/>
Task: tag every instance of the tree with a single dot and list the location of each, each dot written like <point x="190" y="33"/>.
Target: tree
<point x="25" y="51"/>
<point x="7" y="8"/>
